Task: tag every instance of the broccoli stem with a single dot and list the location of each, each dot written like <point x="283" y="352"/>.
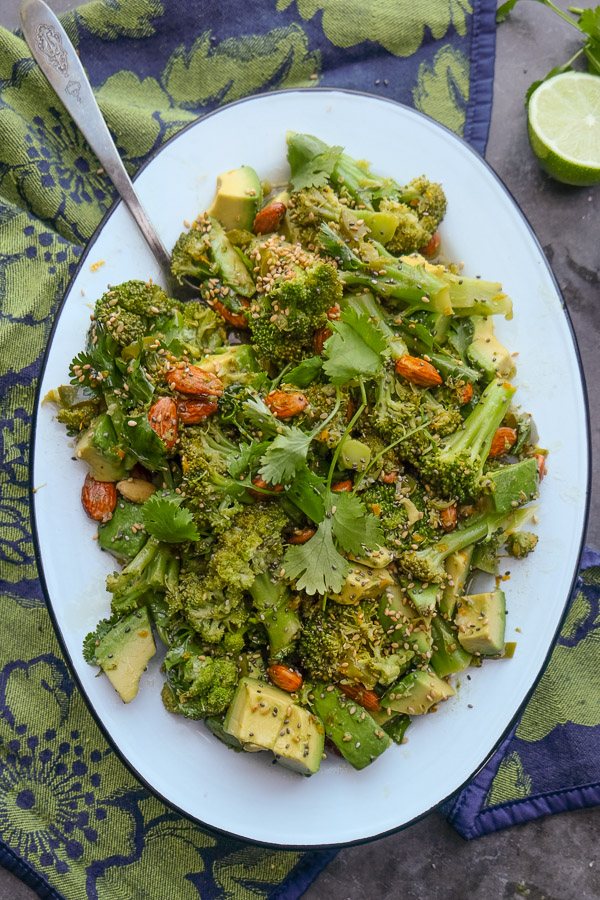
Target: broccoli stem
<point x="479" y="427"/>
<point x="347" y="431"/>
<point x="282" y="623"/>
<point x="475" y="297"/>
<point x="413" y="285"/>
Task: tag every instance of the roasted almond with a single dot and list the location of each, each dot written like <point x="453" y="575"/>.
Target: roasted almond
<point x="432" y="247"/>
<point x="448" y="518"/>
<point x="465" y="392"/>
<point x="418" y="371"/>
<point x="138" y="490"/>
<point x="238" y="320"/>
<point x="285" y="404"/>
<point x="285" y="678"/>
<point x="541" y="461"/>
<point x="342" y="486"/>
<point x="301" y="535"/>
<point x="193" y="411"/>
<point x="334" y="313"/>
<point x="99" y="498"/>
<point x="195" y="381"/>
<point x="162" y="416"/>
<point x="270" y="218"/>
<point x="367" y="699"/>
<point x="320" y="336"/>
<point x="504" y="438"/>
<point x="389" y="477"/>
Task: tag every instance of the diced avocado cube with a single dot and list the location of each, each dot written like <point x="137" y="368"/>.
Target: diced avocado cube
<point x="425" y="597"/>
<point x="401" y="620"/>
<point x="215" y="726"/>
<point x="125" y="651"/>
<point x="352" y="729"/>
<point x="511" y="486"/>
<point x="382" y="225"/>
<point x="117" y="537"/>
<point x="394" y="724"/>
<point x="238" y="198"/>
<point x="487" y="353"/>
<point x="458" y="566"/>
<point x="416" y="693"/>
<point x="450" y="655"/>
<point x="481" y="621"/>
<point x="263" y="717"/>
<point x="363" y="583"/>
<point x="98" y="446"/>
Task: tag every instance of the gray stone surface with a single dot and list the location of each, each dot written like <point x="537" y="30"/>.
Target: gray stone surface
<point x="555" y="858"/>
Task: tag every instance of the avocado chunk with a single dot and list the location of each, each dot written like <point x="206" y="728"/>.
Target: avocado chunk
<point x="98" y="446"/>
<point x="401" y="620"/>
<point x="514" y="485"/>
<point x="450" y="656"/>
<point x="458" y="566"/>
<point x="424" y="597"/>
<point x="481" y="621"/>
<point x="417" y="692"/>
<point x="228" y="261"/>
<point x="215" y="726"/>
<point x="487" y="353"/>
<point x="363" y="583"/>
<point x="124" y="652"/>
<point x="374" y="559"/>
<point x="238" y="198"/>
<point x="352" y="729"/>
<point x="117" y="537"/>
<point x="263" y="717"/>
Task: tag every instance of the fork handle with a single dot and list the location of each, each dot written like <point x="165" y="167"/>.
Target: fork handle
<point x="59" y="62"/>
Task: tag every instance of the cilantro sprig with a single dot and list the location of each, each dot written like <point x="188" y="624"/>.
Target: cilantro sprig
<point x="356" y="348"/>
<point x="587" y="23"/>
<point x="165" y="519"/>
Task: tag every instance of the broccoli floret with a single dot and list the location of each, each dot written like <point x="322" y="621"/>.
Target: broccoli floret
<point x="410" y="233"/>
<point x="294" y="292"/>
<point x="200" y="684"/>
<point x="330" y="651"/>
<point x="80" y="416"/>
<point x="154" y="569"/>
<point x="521" y="543"/>
<point x="427" y="199"/>
<point x="309" y="208"/>
<point x="321" y="400"/>
<point x="385" y="503"/>
<point x="400" y="416"/>
<point x="454" y="466"/>
<point x="128" y="309"/>
<point x="190" y="256"/>
<point x="206" y="255"/>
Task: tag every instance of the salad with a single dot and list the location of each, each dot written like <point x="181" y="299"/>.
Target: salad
<point x="302" y="469"/>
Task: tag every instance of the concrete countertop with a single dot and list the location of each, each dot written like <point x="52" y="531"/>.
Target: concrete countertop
<point x="556" y="858"/>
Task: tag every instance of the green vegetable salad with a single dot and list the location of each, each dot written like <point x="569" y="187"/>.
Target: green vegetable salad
<point x="300" y="471"/>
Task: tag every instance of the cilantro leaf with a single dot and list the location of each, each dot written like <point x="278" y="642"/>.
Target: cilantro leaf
<point x="91" y="640"/>
<point x="316" y="567"/>
<point x="257" y="413"/>
<point x="504" y="10"/>
<point x="355" y="348"/>
<point x="305" y="373"/>
<point x="305" y="493"/>
<point x="140" y="386"/>
<point x="101" y="372"/>
<point x="165" y="519"/>
<point x="285" y="455"/>
<point x="241" y="462"/>
<point x="354" y="528"/>
<point x="589" y="22"/>
<point x="311" y="161"/>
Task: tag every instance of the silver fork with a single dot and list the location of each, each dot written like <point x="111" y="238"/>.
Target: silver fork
<point x="59" y="62"/>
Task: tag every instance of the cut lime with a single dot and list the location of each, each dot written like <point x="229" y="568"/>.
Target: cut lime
<point x="564" y="127"/>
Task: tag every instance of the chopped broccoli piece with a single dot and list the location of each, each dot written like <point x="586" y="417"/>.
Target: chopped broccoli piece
<point x="127" y="310"/>
<point x="521" y="543"/>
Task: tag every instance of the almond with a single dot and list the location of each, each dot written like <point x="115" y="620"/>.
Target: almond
<point x="367" y="699"/>
<point x="342" y="486"/>
<point x="465" y="392"/>
<point x="99" y="498"/>
<point x="418" y="371"/>
<point x="285" y="404"/>
<point x="301" y="535"/>
<point x="334" y="313"/>
<point x="503" y="440"/>
<point x="270" y="218"/>
<point x="192" y="380"/>
<point x="448" y="518"/>
<point x="162" y="416"/>
<point x="389" y="477"/>
<point x="193" y="411"/>
<point x="238" y="320"/>
<point x="320" y="336"/>
<point x="285" y="678"/>
<point x="432" y="247"/>
<point x="138" y="490"/>
<point x="541" y="461"/>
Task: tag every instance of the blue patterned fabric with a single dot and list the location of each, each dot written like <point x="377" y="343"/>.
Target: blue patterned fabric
<point x="550" y="762"/>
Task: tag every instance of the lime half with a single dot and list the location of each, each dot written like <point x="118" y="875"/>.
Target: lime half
<point x="564" y="127"/>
